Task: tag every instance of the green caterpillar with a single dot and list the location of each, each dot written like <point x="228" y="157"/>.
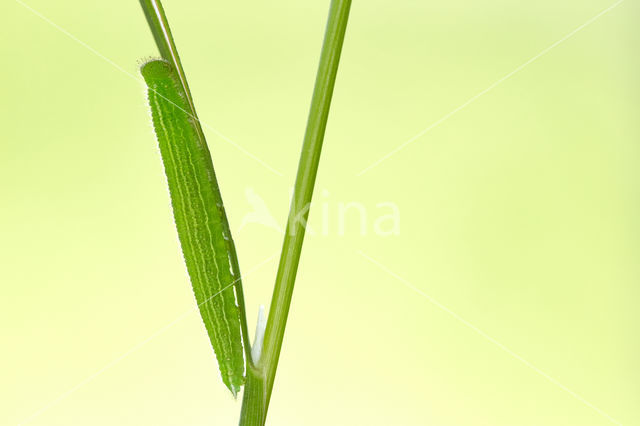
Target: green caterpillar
<point x="200" y="218"/>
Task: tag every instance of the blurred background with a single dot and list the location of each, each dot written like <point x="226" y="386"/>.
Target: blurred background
<point x="507" y="296"/>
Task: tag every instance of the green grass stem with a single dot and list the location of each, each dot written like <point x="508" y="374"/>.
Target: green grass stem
<point x="253" y="413"/>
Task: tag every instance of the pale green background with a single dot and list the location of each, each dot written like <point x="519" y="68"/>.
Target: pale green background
<point x="520" y="213"/>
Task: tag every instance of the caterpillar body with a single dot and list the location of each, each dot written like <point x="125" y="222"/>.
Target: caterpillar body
<point x="200" y="218"/>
